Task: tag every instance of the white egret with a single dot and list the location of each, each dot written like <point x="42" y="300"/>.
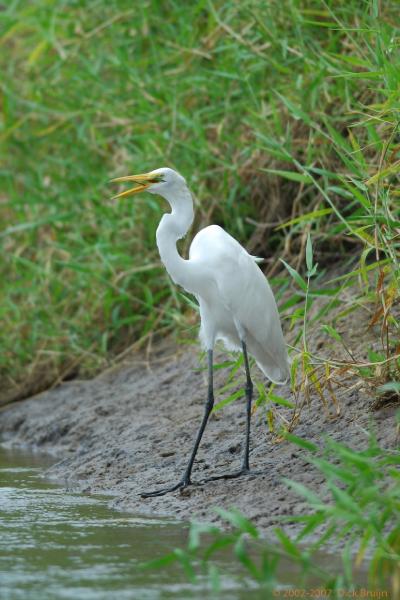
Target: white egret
<point x="236" y="302"/>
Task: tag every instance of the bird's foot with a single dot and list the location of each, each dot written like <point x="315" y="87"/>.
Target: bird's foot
<point x="244" y="472"/>
<point x="181" y="485"/>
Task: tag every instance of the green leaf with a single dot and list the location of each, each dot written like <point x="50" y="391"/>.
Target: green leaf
<point x="243" y="555"/>
<point x="296" y="276"/>
<point x="238" y="394"/>
<point x="361" y="75"/>
<point x="186" y="562"/>
<point x="289" y="545"/>
<point x="293" y="370"/>
<point x="332" y="332"/>
<point x="309" y="254"/>
<point x="222" y="541"/>
<point x="296" y="112"/>
<point x="158" y="563"/>
<point x="292" y="175"/>
<point x="311" y="523"/>
<point x="213" y="575"/>
<point x="344" y="499"/>
<point x="375" y="356"/>
<point x="333" y="471"/>
<point x="224" y="365"/>
<point x="196" y="531"/>
<point x="236" y="519"/>
<point x="304" y="491"/>
<point x="36" y="224"/>
<point x="36" y="53"/>
<point x="351" y="456"/>
<point x="300" y="442"/>
<point x="279" y="400"/>
<point x="315" y="214"/>
<point x="391" y="386"/>
<point x="329" y="24"/>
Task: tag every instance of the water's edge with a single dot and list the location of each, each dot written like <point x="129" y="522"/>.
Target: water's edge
<point x="56" y="543"/>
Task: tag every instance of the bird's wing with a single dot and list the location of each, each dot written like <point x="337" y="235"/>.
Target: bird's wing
<point x="246" y="294"/>
<point x="251" y="302"/>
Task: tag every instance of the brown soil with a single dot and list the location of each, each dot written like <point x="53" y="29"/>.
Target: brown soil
<point x="131" y="430"/>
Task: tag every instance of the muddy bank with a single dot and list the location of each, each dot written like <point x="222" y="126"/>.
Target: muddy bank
<point x="130" y="430"/>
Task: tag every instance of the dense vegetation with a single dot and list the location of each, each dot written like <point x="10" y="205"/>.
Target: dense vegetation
<point x="283" y="116"/>
<point x="361" y="514"/>
<point x="274" y="111"/>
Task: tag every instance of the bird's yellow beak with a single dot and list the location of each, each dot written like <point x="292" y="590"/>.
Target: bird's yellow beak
<point x="143" y="182"/>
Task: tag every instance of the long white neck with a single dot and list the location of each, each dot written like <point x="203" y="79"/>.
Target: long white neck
<point x="173" y="226"/>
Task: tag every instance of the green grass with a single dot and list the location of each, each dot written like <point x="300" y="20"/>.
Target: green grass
<point x="274" y="112"/>
<point x="359" y="514"/>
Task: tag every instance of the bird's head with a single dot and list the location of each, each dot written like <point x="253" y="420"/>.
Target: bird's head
<point x="160" y="181"/>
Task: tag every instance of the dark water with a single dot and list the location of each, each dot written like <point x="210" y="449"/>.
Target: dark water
<point x="60" y="545"/>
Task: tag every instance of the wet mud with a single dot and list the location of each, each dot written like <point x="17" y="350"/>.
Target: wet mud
<point x="131" y="430"/>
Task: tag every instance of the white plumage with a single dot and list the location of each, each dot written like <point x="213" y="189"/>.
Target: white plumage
<point x="236" y="302"/>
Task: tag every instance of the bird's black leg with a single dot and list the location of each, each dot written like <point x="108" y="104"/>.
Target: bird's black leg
<point x="249" y="396"/>
<point x="185" y="481"/>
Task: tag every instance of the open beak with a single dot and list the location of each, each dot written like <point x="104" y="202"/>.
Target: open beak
<point x="143" y="182"/>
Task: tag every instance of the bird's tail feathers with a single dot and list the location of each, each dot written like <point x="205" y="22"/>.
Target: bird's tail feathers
<point x="276" y="375"/>
<point x="275" y="367"/>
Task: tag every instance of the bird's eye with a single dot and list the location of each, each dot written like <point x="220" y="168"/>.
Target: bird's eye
<point x="157" y="179"/>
